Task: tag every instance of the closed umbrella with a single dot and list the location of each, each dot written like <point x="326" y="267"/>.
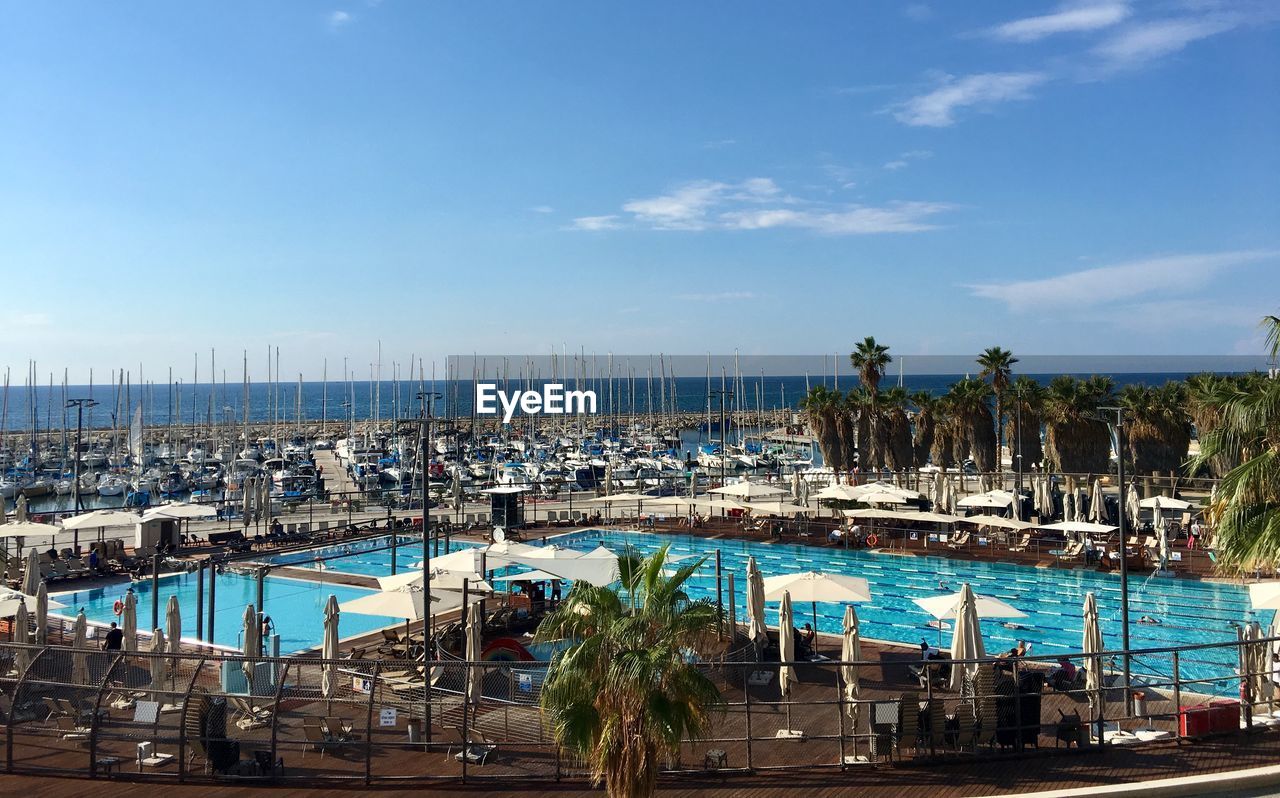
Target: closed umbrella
<point x="457" y="489"/>
<point x="42" y="615"/>
<point x="21" y="636"/>
<point x="786" y="653"/>
<point x="1133" y="505"/>
<point x="851" y="651"/>
<point x="79" y="660"/>
<point x="1092" y="648"/>
<point x="159" y="665"/>
<point x="329" y="650"/>
<point x="966" y="639"/>
<point x="475" y="622"/>
<point x="20" y="509"/>
<point x="756" y="629"/>
<point x="1162" y="539"/>
<point x="1046" y="498"/>
<point x="1077" y="500"/>
<point x="246" y="509"/>
<point x="173" y="622"/>
<point x="1098" y="505"/>
<point x="129" y="621"/>
<point x="250" y="634"/>
<point x="31" y="580"/>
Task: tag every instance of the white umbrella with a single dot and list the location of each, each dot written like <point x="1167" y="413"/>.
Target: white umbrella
<point x="31" y="580"/>
<point x="786" y="653"/>
<point x="756" y="629"/>
<point x="1092" y="649"/>
<point x="998" y="522"/>
<point x="1087" y="527"/>
<point x="1098" y="504"/>
<point x="42" y="615"/>
<point x="21" y="636"/>
<point x="883" y="497"/>
<point x="948" y="605"/>
<point x="440" y="580"/>
<point x="173" y="622"/>
<point x="329" y="650"/>
<point x="844" y="493"/>
<point x="813" y="587"/>
<point x="80" y="641"/>
<point x="181" y="510"/>
<point x="1161" y="503"/>
<point x="129" y="621"/>
<point x="527" y="576"/>
<point x="995" y="499"/>
<point x="1162" y="539"/>
<point x="966" y="638"/>
<point x="98" y="519"/>
<point x="250" y="641"/>
<point x="1265" y="595"/>
<point x="750" y="490"/>
<point x="781" y="508"/>
<point x="28" y="529"/>
<point x="20" y="509"/>
<point x="405" y="603"/>
<point x="1046" y="498"/>
<point x="851" y="651"/>
<point x="11" y="600"/>
<point x="159" y="664"/>
<point x="1132" y="504"/>
<point x="475" y="623"/>
<point x="1016" y="506"/>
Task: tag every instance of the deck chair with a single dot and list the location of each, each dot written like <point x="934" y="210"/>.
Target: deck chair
<point x="966" y="738"/>
<point x="475" y="750"/>
<point x="246" y="715"/>
<point x="937" y="723"/>
<point x="339" y="729"/>
<point x="984" y="702"/>
<point x="959" y="540"/>
<point x="316" y="739"/>
<point x="1022" y="544"/>
<point x="908" y="727"/>
<point x="68" y="729"/>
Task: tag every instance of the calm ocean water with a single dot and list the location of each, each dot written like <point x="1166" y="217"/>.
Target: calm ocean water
<point x="226" y="404"/>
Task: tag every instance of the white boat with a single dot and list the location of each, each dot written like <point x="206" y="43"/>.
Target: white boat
<point x="112" y="485"/>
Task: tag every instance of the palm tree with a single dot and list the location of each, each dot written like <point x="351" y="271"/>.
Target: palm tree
<point x="1077" y="438"/>
<point x="997" y="364"/>
<point x="898" y="449"/>
<point x="945" y="449"/>
<point x="864" y="435"/>
<point x="1158" y="427"/>
<point x="926" y="420"/>
<point x="1025" y="408"/>
<point x="1207" y="395"/>
<point x="869" y="359"/>
<point x="1245" y="509"/>
<point x="971" y="406"/>
<point x="822" y="406"/>
<point x="624" y="695"/>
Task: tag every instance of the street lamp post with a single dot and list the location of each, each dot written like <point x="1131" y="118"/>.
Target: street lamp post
<point x="1124" y="551"/>
<point x="79" y="405"/>
<point x="425" y="399"/>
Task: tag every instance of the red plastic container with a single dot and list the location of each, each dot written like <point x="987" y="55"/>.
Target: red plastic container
<point x="1225" y="715"/>
<point x="1194" y="720"/>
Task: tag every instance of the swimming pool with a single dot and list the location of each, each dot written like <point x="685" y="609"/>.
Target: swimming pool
<point x="1190" y="611"/>
<point x="295" y="605"/>
<point x="365" y="557"/>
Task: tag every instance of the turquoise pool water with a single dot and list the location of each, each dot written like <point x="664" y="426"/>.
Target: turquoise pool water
<point x="1189" y="611"/>
<point x="295" y="605"/>
<point x="366" y="557"/>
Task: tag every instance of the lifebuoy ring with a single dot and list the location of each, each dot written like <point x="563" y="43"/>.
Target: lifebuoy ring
<point x="872" y="540"/>
<point x="118" y="607"/>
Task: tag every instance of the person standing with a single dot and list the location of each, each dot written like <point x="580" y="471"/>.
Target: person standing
<point x="113" y="640"/>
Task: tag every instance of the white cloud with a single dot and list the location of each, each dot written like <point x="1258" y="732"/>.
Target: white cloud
<point x="760" y="204"/>
<point x="542" y="209"/>
<point x="1072" y="18"/>
<point x="1123" y="282"/>
<point x="904" y="160"/>
<point x="937" y="108"/>
<point x="338" y="19"/>
<point x="1139" y="44"/>
<point x="723" y="296"/>
<point x="609" y="222"/>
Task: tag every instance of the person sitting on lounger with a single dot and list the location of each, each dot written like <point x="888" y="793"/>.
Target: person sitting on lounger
<point x="1061" y="677"/>
<point x="1006" y="659"/>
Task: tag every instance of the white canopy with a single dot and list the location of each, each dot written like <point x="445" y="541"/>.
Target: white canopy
<point x="440" y="580"/>
<point x="902" y="515"/>
<point x="750" y="490"/>
<point x="1086" y="527"/>
<point x="527" y="576"/>
<point x="998" y="522"/>
<point x="847" y="493"/>
<point x="10" y="599"/>
<point x="1164" y="503"/>
<point x="180" y="510"/>
<point x="405" y="603"/>
<point x="781" y="508"/>
<point x="101" y="518"/>
<point x="28" y="529"/>
<point x="989" y="499"/>
<point x="620" y="498"/>
<point x="1265" y="595"/>
<point x="883" y="497"/>
<point x="946" y="605"/>
<point x="813" y="586"/>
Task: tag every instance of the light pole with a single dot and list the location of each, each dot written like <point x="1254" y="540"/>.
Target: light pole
<point x="722" y="394"/>
<point x="425" y="399"/>
<point x="1124" y="551"/>
<point x="79" y="405"/>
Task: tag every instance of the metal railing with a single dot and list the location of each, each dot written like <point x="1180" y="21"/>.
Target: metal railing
<point x="217" y="717"/>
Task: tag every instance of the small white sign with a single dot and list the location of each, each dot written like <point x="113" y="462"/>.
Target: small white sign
<point x="387" y="717"/>
<point x="359" y="684"/>
<point x="524" y="682"/>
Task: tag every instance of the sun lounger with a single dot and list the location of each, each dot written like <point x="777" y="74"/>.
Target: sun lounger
<point x="1023" y="544"/>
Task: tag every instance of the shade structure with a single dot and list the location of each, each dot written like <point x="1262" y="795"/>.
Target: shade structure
<point x="600" y="570"/>
<point x="180" y="510"/>
<point x="1265" y="595"/>
<point x="440" y="580"/>
<point x="850" y="651"/>
<point x="902" y="515"/>
<point x="1087" y="527"/>
<point x="31" y="580"/>
<point x="159" y="665"/>
<point x="173" y="622"/>
<point x="750" y="490"/>
<point x="475" y="624"/>
<point x="998" y="522"/>
<point x="966" y="638"/>
<point x="1091" y="646"/>
<point x="756" y="629"/>
<point x="42" y="615"/>
<point x="1098" y="504"/>
<point x="988" y="499"/>
<point x="619" y="498"/>
<point x="329" y="647"/>
<point x="948" y="605"/>
<point x="668" y="502"/>
<point x="883" y="497"/>
<point x="129" y="621"/>
<point x="467" y="560"/>
<point x="815" y="586"/>
<point x="251" y="633"/>
<point x="11" y="600"/>
<point x="1164" y="503"/>
<point x="786" y="646"/>
<point x="98" y="519"/>
<point x="405" y="603"/>
<point x="860" y="492"/>
<point x="844" y="493"/>
<point x="21" y="636"/>
<point x="80" y="641"/>
<point x="28" y="529"/>
<point x="527" y="576"/>
<point x="780" y="508"/>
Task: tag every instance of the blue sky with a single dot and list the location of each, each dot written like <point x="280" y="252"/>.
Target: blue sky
<point x="1078" y="177"/>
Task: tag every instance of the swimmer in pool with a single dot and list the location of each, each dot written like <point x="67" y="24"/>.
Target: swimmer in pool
<point x="1148" y="620"/>
<point x="1010" y="625"/>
